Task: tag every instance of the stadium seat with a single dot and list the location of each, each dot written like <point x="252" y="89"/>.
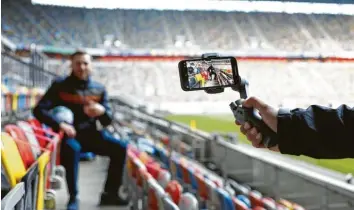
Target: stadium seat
<point x="185" y="174"/>
<point x="255" y="198"/>
<point x="269" y="203"/>
<point x="16" y="172"/>
<point x="155" y="194"/>
<point x="213" y="197"/>
<point x="163" y="178"/>
<point x="30" y="135"/>
<point x="168" y="204"/>
<point x="239" y="204"/>
<point x="43" y="162"/>
<point x="240" y="189"/>
<point x="225" y="200"/>
<point x="290" y="205"/>
<point x="194" y="183"/>
<point x="154" y="169"/>
<point x="244" y="199"/>
<point x="55" y="173"/>
<point x="174" y="189"/>
<point x="23" y="144"/>
<point x="259" y="208"/>
<point x="188" y="202"/>
<point x="203" y="192"/>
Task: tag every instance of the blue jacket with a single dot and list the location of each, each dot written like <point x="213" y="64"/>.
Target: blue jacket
<point x="73" y="93"/>
<point x="317" y="131"/>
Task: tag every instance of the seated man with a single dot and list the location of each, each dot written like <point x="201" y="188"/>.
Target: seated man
<point x="88" y="101"/>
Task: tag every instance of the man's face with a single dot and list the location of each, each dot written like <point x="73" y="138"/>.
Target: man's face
<point x="81" y="66"/>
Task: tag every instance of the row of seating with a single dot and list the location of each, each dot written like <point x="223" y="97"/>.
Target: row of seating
<point x="29" y="158"/>
<point x="81" y="27"/>
<point x="185" y="176"/>
<point x="20" y="98"/>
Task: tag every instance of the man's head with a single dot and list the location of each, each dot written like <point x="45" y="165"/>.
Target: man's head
<point x="81" y="65"/>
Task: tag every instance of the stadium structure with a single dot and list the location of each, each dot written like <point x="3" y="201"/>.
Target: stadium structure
<point x="291" y="58"/>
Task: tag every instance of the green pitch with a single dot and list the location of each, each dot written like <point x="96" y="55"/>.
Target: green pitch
<point x="219" y="123"/>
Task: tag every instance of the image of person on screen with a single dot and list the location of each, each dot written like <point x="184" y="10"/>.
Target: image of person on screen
<point x="212" y="72"/>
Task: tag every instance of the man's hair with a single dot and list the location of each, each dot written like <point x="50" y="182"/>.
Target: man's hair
<point x="78" y="52"/>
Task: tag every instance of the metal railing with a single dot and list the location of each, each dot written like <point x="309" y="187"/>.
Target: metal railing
<point x="16" y="72"/>
<point x="273" y="174"/>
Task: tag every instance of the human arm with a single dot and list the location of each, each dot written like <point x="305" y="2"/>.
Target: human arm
<point x="101" y="110"/>
<point x="42" y="110"/>
<point x="317" y="131"/>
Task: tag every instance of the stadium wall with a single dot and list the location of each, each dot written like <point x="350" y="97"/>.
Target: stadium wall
<point x="220" y="107"/>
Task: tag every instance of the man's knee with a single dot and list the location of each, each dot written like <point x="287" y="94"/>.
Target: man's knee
<point x="119" y="144"/>
<point x="72" y="144"/>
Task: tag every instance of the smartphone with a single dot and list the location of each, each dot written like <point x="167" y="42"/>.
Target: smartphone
<point x="208" y="73"/>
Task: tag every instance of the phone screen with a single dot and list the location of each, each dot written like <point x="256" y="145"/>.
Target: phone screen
<point x="209" y="73"/>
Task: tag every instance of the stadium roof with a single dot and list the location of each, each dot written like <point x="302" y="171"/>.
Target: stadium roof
<point x="308" y="1"/>
<point x="213" y="5"/>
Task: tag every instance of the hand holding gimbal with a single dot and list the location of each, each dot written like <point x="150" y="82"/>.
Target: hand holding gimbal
<point x="243" y="114"/>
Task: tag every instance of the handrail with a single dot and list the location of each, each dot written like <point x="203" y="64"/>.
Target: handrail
<point x="14" y="197"/>
<point x="315" y="177"/>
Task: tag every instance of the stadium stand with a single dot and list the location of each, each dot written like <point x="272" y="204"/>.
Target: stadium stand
<point x="65" y="26"/>
<point x="169" y="166"/>
<point x="160" y="174"/>
<point x="301" y="83"/>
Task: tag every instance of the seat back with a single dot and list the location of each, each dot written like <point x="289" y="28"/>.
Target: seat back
<point x="31" y="137"/>
<point x="173" y="167"/>
<point x="43" y="161"/>
<point x="155" y="195"/>
<point x="202" y="188"/>
<point x="168" y="204"/>
<point x="15" y="198"/>
<point x="11" y="160"/>
<point x="35" y="123"/>
<point x="239" y="204"/>
<point x="30" y="179"/>
<point x="188" y="202"/>
<point x="23" y="144"/>
<point x="185" y="174"/>
<point x="225" y="200"/>
<point x="5" y="183"/>
<point x="174" y="189"/>
<point x="255" y="198"/>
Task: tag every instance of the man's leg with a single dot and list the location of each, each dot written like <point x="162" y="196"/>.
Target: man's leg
<point x="70" y="158"/>
<point x="109" y="146"/>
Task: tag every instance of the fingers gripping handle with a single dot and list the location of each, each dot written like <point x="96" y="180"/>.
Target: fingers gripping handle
<point x="243" y="114"/>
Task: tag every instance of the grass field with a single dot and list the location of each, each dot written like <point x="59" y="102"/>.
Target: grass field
<point x="220" y="123"/>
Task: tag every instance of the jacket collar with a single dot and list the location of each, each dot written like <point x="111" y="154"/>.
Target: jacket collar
<point x="78" y="82"/>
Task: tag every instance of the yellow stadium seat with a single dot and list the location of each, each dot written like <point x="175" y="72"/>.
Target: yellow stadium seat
<point x="15" y="169"/>
<point x="43" y="161"/>
<point x="11" y="160"/>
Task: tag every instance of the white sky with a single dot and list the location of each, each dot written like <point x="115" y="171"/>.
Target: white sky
<point x="288" y="7"/>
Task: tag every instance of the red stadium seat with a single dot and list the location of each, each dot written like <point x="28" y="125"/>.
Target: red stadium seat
<point x="154" y="169"/>
<point x="185" y="174"/>
<point x="174" y="189"/>
<point x="259" y="208"/>
<point x="202" y="187"/>
<point x="35" y="123"/>
<point x="23" y="144"/>
<point x="255" y="198"/>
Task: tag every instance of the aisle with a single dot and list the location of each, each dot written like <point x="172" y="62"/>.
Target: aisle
<point x="92" y="177"/>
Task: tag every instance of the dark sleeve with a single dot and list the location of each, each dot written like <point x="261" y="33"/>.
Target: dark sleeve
<point x="317" y="132"/>
<point x="42" y="110"/>
<point x="106" y="118"/>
